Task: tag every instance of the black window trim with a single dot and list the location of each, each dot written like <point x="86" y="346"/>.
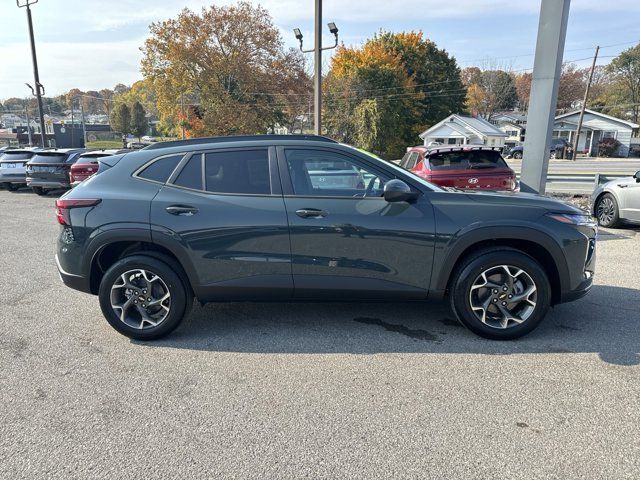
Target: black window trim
<point x="287" y="184"/>
<point x="137" y="172"/>
<point x="274" y="181"/>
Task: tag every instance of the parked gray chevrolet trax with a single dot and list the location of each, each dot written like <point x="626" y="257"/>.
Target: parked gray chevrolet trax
<point x="268" y="218"/>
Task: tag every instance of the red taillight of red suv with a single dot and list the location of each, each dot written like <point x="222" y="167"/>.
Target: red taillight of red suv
<point x="63" y="208"/>
<point x="82" y="171"/>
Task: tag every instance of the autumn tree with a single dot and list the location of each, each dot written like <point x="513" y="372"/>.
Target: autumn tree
<point x="381" y="95"/>
<point x="625" y="70"/>
<point x="228" y="60"/>
<point x="523" y="88"/>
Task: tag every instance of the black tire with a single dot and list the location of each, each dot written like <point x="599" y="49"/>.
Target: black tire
<point x="471" y="269"/>
<point x="517" y="155"/>
<point x="180" y="297"/>
<point x="12" y="187"/>
<point x="39" y="191"/>
<point x="607" y="211"/>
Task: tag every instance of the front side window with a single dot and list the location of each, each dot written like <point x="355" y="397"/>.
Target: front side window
<point x="330" y="174"/>
<point x="238" y="171"/>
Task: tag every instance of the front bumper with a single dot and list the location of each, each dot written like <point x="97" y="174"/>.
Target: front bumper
<point x="77" y="282"/>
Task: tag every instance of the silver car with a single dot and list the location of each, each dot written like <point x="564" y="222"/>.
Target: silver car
<point x="617" y="200"/>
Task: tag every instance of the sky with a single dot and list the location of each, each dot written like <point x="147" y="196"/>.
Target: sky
<point x="95" y="44"/>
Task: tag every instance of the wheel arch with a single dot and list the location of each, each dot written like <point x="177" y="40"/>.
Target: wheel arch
<point x="534" y="243"/>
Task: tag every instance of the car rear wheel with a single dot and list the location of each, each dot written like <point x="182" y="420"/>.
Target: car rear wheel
<point x="143" y="298"/>
<point x="607" y="211"/>
<point x="500" y="294"/>
<point x="39" y="190"/>
<point x="517" y="155"/>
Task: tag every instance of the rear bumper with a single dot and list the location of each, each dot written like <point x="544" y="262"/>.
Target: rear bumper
<point x="13" y="178"/>
<point x="45" y="183"/>
<point x="77" y="282"/>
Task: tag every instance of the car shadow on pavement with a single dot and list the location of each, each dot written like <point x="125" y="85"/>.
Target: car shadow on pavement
<point x="605" y="322"/>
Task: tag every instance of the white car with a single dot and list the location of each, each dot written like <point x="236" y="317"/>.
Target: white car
<point x="13" y="173"/>
<point x="617" y="200"/>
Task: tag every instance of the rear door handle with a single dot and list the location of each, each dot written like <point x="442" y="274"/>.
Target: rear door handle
<point x="183" y="210"/>
<point x="311" y="213"/>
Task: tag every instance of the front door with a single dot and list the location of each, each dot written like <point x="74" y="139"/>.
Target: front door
<point x="345" y="238"/>
<point x="225" y="209"/>
<point x="630" y="199"/>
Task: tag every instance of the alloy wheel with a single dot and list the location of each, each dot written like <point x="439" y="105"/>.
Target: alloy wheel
<point x="140" y="299"/>
<point x="606" y="211"/>
<point x="503" y="296"/>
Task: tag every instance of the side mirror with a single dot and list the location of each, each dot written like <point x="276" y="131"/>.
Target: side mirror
<point x="637" y="176"/>
<point x="398" y="191"/>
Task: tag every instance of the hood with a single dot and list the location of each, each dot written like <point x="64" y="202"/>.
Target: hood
<point x="524" y="200"/>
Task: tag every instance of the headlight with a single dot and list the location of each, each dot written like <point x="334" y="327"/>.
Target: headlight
<point x="573" y="219"/>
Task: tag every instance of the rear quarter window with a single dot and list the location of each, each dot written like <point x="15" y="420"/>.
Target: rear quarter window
<point x="161" y="169"/>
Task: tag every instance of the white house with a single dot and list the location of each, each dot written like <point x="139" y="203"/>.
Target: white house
<point x="461" y="130"/>
<point x="595" y="127"/>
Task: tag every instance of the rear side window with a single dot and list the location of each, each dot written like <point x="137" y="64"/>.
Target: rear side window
<point x="238" y="171"/>
<point x="466" y="159"/>
<point x="161" y="169"/>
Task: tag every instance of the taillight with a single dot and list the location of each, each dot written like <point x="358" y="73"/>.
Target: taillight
<point x="63" y="208"/>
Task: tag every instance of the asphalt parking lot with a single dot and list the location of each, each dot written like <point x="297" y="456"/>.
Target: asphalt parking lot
<point x="311" y="390"/>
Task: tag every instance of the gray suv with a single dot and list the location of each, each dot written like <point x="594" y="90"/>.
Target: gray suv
<point x="256" y="219"/>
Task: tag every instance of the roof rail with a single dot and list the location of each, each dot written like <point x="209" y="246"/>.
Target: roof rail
<point x="236" y="138"/>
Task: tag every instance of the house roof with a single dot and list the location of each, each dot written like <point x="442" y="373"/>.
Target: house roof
<point x="467" y="126"/>
<point x="598" y="114"/>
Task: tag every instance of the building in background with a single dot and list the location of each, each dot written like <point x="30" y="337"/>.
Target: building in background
<point x="460" y="130"/>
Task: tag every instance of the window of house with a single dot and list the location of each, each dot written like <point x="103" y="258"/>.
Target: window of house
<point x="609" y="134"/>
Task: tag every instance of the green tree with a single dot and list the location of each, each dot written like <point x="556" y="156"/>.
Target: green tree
<point x="625" y="69"/>
<point x="139" y="123"/>
<point x="120" y="120"/>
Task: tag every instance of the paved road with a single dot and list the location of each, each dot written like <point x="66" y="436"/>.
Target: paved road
<point x="334" y="390"/>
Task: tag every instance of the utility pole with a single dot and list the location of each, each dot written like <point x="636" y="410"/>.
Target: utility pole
<point x="552" y="30"/>
<point x="317" y="66"/>
<point x="26" y="114"/>
<point x="182" y="111"/>
<point x="39" y="89"/>
<point x="84" y="128"/>
<point x="584" y="105"/>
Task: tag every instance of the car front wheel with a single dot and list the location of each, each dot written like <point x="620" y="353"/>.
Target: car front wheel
<point x="517" y="155"/>
<point x="607" y="211"/>
<point x="143" y="298"/>
<point x="500" y="294"/>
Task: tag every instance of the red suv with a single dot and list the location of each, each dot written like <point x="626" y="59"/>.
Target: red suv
<point x="465" y="166"/>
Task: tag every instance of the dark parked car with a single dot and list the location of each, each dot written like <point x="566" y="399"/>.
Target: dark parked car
<point x="87" y="165"/>
<point x="13" y="174"/>
<point x="466" y="167"/>
<point x="556" y="145"/>
<point x="240" y="218"/>
<point x="49" y="169"/>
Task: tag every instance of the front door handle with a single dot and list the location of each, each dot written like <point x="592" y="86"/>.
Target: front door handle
<point x="183" y="210"/>
<point x="311" y="213"/>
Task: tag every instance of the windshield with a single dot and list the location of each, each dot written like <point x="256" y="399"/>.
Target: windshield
<point x="462" y="160"/>
<point x="13" y="156"/>
<point x="400" y="170"/>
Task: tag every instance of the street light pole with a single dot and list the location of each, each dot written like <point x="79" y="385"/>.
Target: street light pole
<point x="317" y="67"/>
<point x="584" y="106"/>
<point x="317" y="64"/>
<point x="36" y="76"/>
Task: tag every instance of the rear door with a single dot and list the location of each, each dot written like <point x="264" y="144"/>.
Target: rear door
<point x="224" y="208"/>
<point x="346" y="240"/>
